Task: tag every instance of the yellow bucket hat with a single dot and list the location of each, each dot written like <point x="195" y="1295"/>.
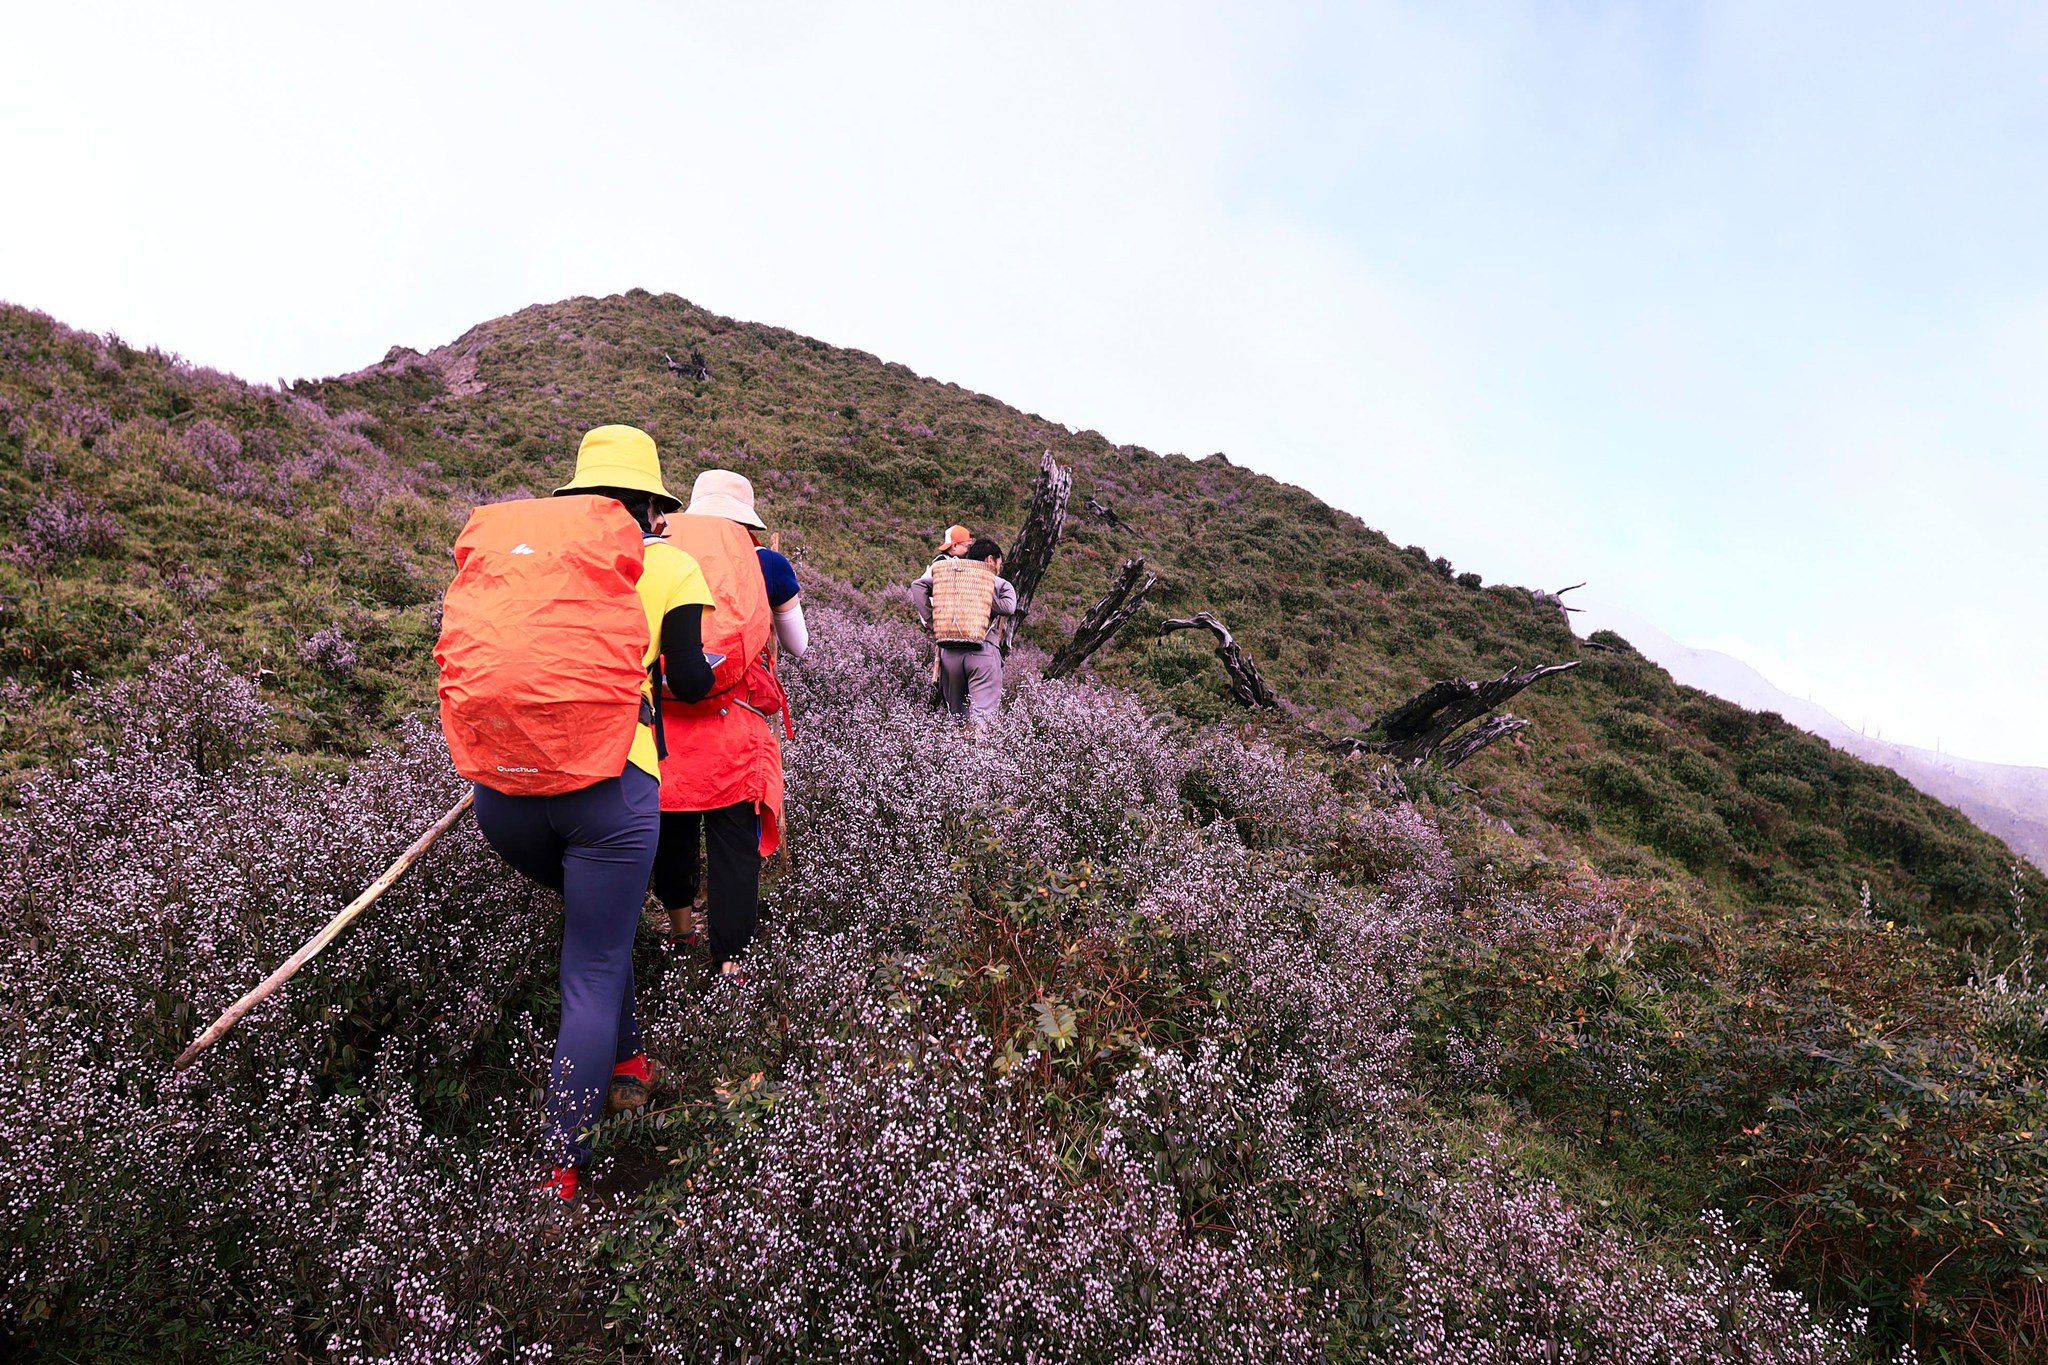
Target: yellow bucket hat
<point x="620" y="457"/>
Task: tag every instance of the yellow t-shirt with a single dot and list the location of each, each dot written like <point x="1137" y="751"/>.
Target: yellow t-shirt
<point x="669" y="578"/>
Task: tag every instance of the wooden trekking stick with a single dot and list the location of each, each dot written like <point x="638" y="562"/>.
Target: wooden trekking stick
<point x="326" y="936"/>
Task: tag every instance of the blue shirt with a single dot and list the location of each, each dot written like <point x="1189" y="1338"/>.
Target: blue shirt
<point x="780" y="573"/>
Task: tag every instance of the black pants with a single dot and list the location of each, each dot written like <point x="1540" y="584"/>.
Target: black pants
<point x="732" y="836"/>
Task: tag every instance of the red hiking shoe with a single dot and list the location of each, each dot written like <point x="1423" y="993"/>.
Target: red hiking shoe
<point x="683" y="942"/>
<point x="634" y="1082"/>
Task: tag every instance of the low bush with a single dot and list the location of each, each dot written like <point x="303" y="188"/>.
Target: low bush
<point x="1620" y="782"/>
<point x="1695" y="838"/>
<point x="1509" y="1272"/>
<point x="333" y="1178"/>
<point x="1041" y="1059"/>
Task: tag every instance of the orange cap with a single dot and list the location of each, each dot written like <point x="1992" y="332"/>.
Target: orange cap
<point x="956" y="535"/>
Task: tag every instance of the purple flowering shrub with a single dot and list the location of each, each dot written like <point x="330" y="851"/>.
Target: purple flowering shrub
<point x="891" y="1199"/>
<point x="188" y="706"/>
<point x="79" y="419"/>
<point x="1271" y="800"/>
<point x="330" y="651"/>
<point x="330" y="1178"/>
<point x="870" y="663"/>
<point x="213" y="448"/>
<point x="1074" y="773"/>
<point x="1507" y="1272"/>
<point x="269" y="468"/>
<point x="1087" y="1038"/>
<point x="60" y="526"/>
<point x="1061" y="931"/>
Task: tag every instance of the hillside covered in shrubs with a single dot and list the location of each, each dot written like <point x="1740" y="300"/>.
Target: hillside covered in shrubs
<point x="1148" y="1028"/>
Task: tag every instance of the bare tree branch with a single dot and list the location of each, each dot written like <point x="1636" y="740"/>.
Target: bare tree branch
<point x="1470" y="741"/>
<point x="695" y="368"/>
<point x="1245" y="683"/>
<point x="1427" y="726"/>
<point x="1556" y="599"/>
<point x="1032" y="553"/>
<point x="1105" y="618"/>
<point x="1103" y="512"/>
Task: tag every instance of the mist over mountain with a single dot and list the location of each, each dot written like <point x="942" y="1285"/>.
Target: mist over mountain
<point x="2008" y="800"/>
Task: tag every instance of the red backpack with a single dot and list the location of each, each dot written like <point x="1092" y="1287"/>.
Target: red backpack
<point x="542" y="640"/>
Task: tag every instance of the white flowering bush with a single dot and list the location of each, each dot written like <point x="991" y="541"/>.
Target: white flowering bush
<point x="889" y="1200"/>
<point x="1086" y="1037"/>
<point x="331" y="1177"/>
<point x="1272" y="801"/>
<point x="1507" y="1272"/>
<point x="2011" y="1001"/>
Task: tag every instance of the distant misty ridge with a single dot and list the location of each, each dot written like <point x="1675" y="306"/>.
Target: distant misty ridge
<point x="2008" y="800"/>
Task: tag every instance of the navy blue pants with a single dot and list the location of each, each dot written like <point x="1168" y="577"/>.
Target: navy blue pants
<point x="595" y="846"/>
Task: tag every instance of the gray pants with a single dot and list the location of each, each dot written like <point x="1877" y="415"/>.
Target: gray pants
<point x="971" y="680"/>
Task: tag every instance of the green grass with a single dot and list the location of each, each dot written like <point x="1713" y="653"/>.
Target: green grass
<point x="1742" y="846"/>
<point x="859" y="463"/>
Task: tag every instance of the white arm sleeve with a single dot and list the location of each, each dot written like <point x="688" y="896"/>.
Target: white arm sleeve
<point x="790" y="629"/>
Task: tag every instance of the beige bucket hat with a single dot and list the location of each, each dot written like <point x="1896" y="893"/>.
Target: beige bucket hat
<point x="722" y="493"/>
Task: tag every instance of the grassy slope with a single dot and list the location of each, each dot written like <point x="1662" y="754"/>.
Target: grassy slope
<point x="1742" y="844"/>
<point x="326" y="529"/>
<point x="859" y="461"/>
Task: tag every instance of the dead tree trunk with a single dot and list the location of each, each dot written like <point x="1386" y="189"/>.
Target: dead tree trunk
<point x="1471" y="740"/>
<point x="1103" y="512"/>
<point x="1245" y="683"/>
<point x="1105" y="618"/>
<point x="1429" y="726"/>
<point x="1556" y="600"/>
<point x="1032" y="553"/>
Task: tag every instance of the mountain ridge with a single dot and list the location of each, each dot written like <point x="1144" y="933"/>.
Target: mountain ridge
<point x="358" y="482"/>
<point x="2007" y="800"/>
<point x="1659" y="959"/>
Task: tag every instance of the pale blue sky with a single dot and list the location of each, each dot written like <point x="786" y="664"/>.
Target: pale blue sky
<point x="1739" y="311"/>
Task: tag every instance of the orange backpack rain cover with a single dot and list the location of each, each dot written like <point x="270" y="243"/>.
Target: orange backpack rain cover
<point x="542" y="641"/>
<point x="721" y="751"/>
<point x="740" y="625"/>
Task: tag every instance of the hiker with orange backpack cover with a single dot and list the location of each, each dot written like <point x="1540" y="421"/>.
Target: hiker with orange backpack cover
<point x="567" y="617"/>
<point x="721" y="780"/>
<point x="677" y="882"/>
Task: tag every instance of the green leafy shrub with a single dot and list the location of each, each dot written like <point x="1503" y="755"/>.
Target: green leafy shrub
<point x="1574" y="817"/>
<point x="1611" y="640"/>
<point x="1620" y="782"/>
<point x="1698" y="772"/>
<point x="1916" y="1174"/>
<point x="1694" y="837"/>
<point x="1632" y="730"/>
<point x="1783" y="788"/>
